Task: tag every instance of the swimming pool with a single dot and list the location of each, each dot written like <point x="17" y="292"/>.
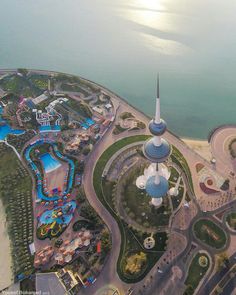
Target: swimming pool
<point x="85" y="126"/>
<point x="5" y="129"/>
<point x="45" y="129"/>
<point x="61" y="214"/>
<point x="89" y="121"/>
<point x="39" y="183"/>
<point x="49" y="162"/>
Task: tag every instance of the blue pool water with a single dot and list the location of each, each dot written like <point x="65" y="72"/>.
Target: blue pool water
<point x="40" y="193"/>
<point x="89" y="121"/>
<point x="84" y="125"/>
<point x="49" y="163"/>
<point x="54" y="128"/>
<point x="45" y="128"/>
<point x="62" y="214"/>
<point x="5" y="129"/>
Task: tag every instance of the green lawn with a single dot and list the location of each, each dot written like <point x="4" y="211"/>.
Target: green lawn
<point x="129" y="240"/>
<point x="179" y="159"/>
<point x="18" y="141"/>
<point x="195" y="274"/>
<point x="74" y="88"/>
<point x="19" y="86"/>
<point x="107" y="154"/>
<point x="137" y="203"/>
<point x="39" y="81"/>
<point x="177" y="200"/>
<point x="231" y="220"/>
<point x="118" y="129"/>
<point x="210" y="233"/>
<point x="126" y="115"/>
<point x="174" y="174"/>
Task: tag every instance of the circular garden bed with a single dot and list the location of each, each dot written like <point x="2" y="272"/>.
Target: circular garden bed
<point x="197" y="269"/>
<point x="134" y="264"/>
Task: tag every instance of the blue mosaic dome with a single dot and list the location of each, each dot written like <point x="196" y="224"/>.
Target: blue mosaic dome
<point x="156" y="154"/>
<point x="157" y="128"/>
<point x="157" y="190"/>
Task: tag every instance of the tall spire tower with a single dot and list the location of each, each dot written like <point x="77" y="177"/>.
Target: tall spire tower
<point x="157" y="150"/>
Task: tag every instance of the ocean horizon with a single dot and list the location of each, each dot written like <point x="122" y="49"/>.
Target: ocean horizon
<point x="124" y="44"/>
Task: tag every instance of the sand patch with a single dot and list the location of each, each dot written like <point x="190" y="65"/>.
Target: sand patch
<point x="56" y="177"/>
<point x="6" y="278"/>
<point x="202" y="147"/>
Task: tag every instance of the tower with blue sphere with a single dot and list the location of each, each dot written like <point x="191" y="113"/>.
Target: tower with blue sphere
<point x="157" y="150"/>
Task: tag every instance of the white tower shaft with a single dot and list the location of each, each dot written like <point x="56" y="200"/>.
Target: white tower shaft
<point x="158" y="111"/>
<point x="157" y="176"/>
<point x="157" y="139"/>
<point x="158" y="106"/>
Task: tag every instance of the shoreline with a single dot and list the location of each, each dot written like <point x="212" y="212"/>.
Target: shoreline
<point x="105" y="88"/>
<point x="200" y="146"/>
<point x="6" y="273"/>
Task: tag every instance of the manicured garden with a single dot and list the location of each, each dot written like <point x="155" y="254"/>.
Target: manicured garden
<point x="104" y="190"/>
<point x="176" y="200"/>
<point x="136" y="202"/>
<point x="179" y="159"/>
<point x="197" y="269"/>
<point x="39" y="81"/>
<point x="231" y="220"/>
<point x="83" y="224"/>
<point x="118" y="129"/>
<point x="210" y="233"/>
<point x="18" y="141"/>
<point x="23" y="84"/>
<point x="130" y="242"/>
<point x="74" y="87"/>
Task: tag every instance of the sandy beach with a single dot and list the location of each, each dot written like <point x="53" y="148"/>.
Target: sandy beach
<point x="5" y="252"/>
<point x="202" y="147"/>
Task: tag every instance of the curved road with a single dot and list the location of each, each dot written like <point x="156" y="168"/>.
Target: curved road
<point x="109" y="274"/>
<point x="219" y="141"/>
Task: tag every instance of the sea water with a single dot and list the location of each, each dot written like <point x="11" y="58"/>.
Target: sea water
<point x="122" y="44"/>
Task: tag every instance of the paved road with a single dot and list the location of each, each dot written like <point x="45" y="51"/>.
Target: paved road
<point x="212" y="283"/>
<point x="109" y="274"/>
<point x="220" y="141"/>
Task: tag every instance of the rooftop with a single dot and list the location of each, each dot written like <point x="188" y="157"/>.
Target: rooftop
<point x="49" y="283"/>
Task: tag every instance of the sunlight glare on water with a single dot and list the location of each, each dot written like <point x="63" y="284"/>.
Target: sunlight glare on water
<point x="122" y="44"/>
